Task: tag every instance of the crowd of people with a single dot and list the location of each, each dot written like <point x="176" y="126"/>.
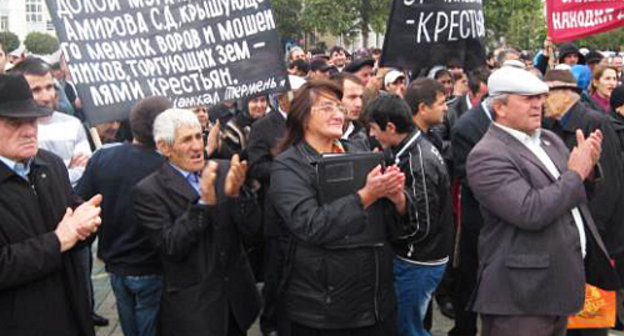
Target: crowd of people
<point x="501" y="195"/>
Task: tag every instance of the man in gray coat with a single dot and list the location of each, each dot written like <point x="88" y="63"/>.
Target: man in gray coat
<point x="537" y="230"/>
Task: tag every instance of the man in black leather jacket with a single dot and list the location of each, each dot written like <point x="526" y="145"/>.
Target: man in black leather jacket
<point x="421" y="256"/>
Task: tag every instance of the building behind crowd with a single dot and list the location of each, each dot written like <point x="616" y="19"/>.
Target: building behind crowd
<point x="25" y="16"/>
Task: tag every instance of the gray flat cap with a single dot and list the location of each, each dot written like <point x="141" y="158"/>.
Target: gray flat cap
<point x="511" y="80"/>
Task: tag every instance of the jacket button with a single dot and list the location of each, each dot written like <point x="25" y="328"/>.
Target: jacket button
<point x="328" y="300"/>
<point x="226" y="278"/>
<point x="44" y="175"/>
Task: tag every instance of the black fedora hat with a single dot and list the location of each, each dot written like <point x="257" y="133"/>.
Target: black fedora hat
<point x="16" y="99"/>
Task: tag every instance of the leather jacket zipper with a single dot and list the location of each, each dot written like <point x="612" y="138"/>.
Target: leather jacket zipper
<point x="376" y="291"/>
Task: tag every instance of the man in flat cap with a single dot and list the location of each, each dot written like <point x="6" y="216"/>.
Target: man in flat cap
<point x="537" y="230"/>
<point x="42" y="285"/>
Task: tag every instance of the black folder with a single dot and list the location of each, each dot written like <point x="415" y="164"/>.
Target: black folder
<point x="342" y="174"/>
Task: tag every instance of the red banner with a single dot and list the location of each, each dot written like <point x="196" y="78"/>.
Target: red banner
<point x="573" y="19"/>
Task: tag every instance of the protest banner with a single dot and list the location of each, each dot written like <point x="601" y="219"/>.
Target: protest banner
<point x="425" y="33"/>
<point x="574" y="19"/>
<point x="194" y="52"/>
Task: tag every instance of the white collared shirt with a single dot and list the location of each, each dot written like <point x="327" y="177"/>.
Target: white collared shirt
<point x="21" y="169"/>
<point x="533" y="143"/>
<point x="282" y="113"/>
<point x="486" y="111"/>
<point x="348" y="132"/>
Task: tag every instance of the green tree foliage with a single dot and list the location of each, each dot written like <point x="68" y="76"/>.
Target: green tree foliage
<point x="9" y="40"/>
<point x="612" y="40"/>
<point x="288" y="15"/>
<point x="345" y="17"/>
<point x="520" y="22"/>
<point x="41" y="43"/>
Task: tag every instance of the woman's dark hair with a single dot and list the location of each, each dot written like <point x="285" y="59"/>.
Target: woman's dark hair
<point x="300" y="110"/>
<point x="390" y="108"/>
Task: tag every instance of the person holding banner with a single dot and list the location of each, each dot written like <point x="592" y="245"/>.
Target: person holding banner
<point x="335" y="283"/>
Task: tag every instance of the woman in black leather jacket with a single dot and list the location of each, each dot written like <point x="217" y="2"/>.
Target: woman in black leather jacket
<point x="338" y="278"/>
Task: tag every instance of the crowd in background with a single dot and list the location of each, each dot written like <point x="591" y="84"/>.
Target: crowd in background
<point x="185" y="241"/>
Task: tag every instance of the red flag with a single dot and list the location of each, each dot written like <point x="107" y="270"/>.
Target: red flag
<point x="574" y="19"/>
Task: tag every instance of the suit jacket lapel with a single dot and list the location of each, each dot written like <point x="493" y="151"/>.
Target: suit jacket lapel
<point x="484" y="122"/>
<point x="175" y="182"/>
<point x="590" y="227"/>
<point x="510" y="141"/>
<point x="555" y="155"/>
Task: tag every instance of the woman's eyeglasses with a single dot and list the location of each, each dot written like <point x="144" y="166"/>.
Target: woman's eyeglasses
<point x="329" y="108"/>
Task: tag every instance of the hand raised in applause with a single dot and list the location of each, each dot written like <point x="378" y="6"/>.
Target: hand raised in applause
<point x="207" y="190"/>
<point x="396" y="185"/>
<point x="236" y="176"/>
<point x="80" y="223"/>
<point x="380" y="185"/>
<point x="213" y="141"/>
<point x="586" y="154"/>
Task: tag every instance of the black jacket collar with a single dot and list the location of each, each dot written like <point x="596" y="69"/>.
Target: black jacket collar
<point x="174" y="181"/>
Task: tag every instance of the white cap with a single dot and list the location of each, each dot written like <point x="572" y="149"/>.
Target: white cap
<point x="515" y="64"/>
<point x="435" y="70"/>
<point x="295" y="82"/>
<point x="563" y="66"/>
<point x="509" y="79"/>
<point x="392" y="77"/>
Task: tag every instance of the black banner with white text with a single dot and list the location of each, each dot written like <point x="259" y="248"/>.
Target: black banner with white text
<point x="194" y="52"/>
<point x="425" y="33"/>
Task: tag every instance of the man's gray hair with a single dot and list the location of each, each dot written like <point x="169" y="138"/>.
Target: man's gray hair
<point x="168" y="122"/>
<point x="501" y="98"/>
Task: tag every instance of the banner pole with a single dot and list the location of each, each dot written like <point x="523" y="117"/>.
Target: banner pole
<point x="97" y="142"/>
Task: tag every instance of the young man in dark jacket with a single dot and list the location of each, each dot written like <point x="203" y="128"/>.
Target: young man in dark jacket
<point x="421" y="257"/>
<point x="42" y="285"/>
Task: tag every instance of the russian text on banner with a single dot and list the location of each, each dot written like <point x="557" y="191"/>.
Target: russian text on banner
<point x="574" y="19"/>
<point x="194" y="52"/>
<point x="424" y="33"/>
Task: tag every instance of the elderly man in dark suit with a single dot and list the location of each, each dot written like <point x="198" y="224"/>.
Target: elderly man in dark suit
<point x="196" y="222"/>
<point x="537" y="230"/>
<point x="42" y="287"/>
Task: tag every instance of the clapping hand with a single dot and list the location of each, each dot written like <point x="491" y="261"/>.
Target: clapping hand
<point x="586" y="154"/>
<point x="80" y="223"/>
<point x="236" y="176"/>
<point x="213" y="140"/>
<point x="207" y="183"/>
<point x="383" y="184"/>
<point x="395" y="188"/>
